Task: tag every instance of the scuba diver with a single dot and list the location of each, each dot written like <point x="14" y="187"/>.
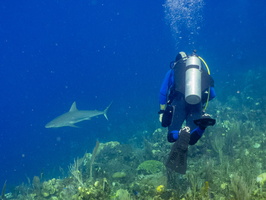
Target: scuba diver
<point x="184" y="95"/>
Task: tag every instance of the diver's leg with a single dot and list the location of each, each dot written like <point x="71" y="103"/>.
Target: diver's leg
<point x="179" y="116"/>
<point x="202" y="124"/>
<point x="177" y="159"/>
<point x="195" y="135"/>
<point x="194" y="112"/>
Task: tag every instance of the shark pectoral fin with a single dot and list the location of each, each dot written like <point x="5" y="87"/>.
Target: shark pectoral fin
<point x="74" y="126"/>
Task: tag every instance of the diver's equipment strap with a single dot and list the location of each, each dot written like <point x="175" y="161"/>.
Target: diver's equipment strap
<point x="211" y="83"/>
<point x="207" y="100"/>
<point x="208" y="70"/>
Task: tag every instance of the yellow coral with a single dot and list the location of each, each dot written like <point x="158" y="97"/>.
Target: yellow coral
<point x="224" y="186"/>
<point x="45" y="194"/>
<point x="261" y="179"/>
<point x="160" y="188"/>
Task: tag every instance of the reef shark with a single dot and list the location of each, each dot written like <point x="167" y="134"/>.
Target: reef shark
<point x="74" y="116"/>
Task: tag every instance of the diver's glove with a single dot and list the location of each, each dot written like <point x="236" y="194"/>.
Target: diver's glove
<point x="161" y="111"/>
<point x="160" y="115"/>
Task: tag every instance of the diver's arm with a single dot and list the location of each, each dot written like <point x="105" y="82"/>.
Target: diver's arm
<point x="167" y="83"/>
<point x="212" y="93"/>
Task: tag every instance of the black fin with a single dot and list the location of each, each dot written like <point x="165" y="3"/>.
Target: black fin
<point x="177" y="159"/>
<point x="205" y="122"/>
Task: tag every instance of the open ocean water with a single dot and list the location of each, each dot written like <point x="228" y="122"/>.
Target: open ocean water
<point x="53" y="53"/>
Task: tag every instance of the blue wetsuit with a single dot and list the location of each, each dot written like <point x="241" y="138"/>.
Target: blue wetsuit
<point x="182" y="110"/>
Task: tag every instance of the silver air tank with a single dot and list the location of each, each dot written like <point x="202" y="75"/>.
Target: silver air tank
<point x="193" y="80"/>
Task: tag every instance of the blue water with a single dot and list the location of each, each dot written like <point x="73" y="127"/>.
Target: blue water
<point x="53" y="53"/>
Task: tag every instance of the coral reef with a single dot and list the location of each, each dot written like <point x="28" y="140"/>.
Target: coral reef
<point x="227" y="163"/>
<point x="150" y="167"/>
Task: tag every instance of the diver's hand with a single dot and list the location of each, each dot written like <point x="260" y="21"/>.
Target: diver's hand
<point x="160" y="118"/>
<point x="161" y="115"/>
<point x="162" y="108"/>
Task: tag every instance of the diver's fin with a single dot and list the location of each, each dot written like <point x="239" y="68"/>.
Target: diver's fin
<point x="205" y="121"/>
<point x="177" y="159"/>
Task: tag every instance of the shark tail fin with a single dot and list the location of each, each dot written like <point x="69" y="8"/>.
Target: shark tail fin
<point x="105" y="111"/>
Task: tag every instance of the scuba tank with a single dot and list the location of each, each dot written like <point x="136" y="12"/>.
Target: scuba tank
<point x="193" y="80"/>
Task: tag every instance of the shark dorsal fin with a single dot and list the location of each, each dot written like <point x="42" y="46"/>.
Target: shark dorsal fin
<point x="73" y="107"/>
